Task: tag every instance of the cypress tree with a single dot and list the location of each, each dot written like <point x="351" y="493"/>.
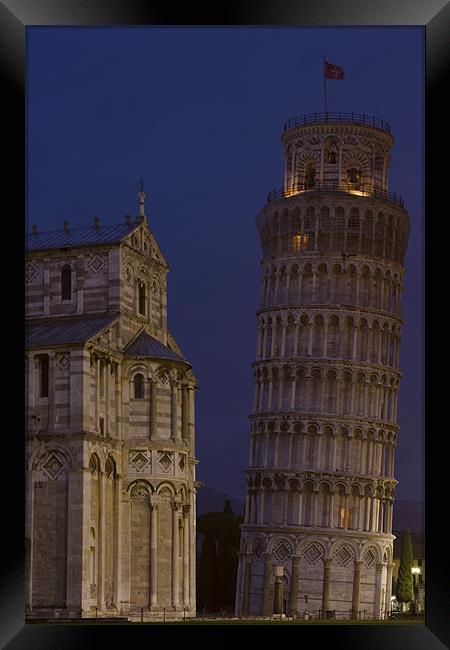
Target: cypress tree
<point x="405" y="591"/>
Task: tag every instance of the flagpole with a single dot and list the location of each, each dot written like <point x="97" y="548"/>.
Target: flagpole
<point x="325" y="87"/>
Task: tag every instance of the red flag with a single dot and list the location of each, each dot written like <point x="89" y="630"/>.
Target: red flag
<point x="333" y="71"/>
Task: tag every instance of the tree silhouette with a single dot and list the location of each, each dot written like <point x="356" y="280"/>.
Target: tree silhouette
<point x="219" y="534"/>
<point x="405" y="591"/>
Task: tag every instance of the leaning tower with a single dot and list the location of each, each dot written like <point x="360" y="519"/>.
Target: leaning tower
<point x="317" y="535"/>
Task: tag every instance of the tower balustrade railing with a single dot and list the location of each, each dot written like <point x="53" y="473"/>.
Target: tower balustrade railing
<point x="337" y="117"/>
<point x="327" y="187"/>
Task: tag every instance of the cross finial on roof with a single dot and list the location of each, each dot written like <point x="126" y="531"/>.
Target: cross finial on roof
<point x="141" y="198"/>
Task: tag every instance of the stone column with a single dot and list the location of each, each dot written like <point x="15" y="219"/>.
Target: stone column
<point x="291" y="440"/>
<point x="238" y="605"/>
<point x="118" y="528"/>
<point x="368" y="504"/>
<point x="377" y="605"/>
<point x="375" y="503"/>
<point x="186" y="599"/>
<point x="258" y="344"/>
<point x="387" y="603"/>
<point x="315" y="506"/>
<point x="192" y="553"/>
<point x="283" y="339"/>
<point x="174" y="410"/>
<point x="381" y="517"/>
<point x="278" y="596"/>
<point x="296" y="335"/>
<point x="355" y="340"/>
<point x="352" y="396"/>
<point x="269" y="395"/>
<point x="266" y="608"/>
<point x="261" y="506"/>
<point x="310" y="338"/>
<point x="153" y="425"/>
<point x="331" y="511"/>
<point x="294" y="387"/>
<point x="319" y="450"/>
<point x="266" y="449"/>
<point x="326" y="584"/>
<point x="358" y="297"/>
<point x="299" y="515"/>
<point x="325" y="337"/>
<point x="348" y="452"/>
<point x="125" y="560"/>
<point x="285" y="505"/>
<point x="370" y="447"/>
<point x="185" y="411"/>
<point x="247" y="579"/>
<point x="361" y="513"/>
<point x="294" y="584"/>
<point x="175" y="552"/>
<point x="101" y="544"/>
<point x="333" y="463"/>
<point x="153" y="554"/>
<point x="78" y="527"/>
<point x="274" y="338"/>
<point x="356" y="588"/>
<point x="277" y="444"/>
<point x="280" y="393"/>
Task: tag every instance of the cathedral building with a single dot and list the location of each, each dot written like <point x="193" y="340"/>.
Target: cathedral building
<point x="317" y="536"/>
<point x="110" y="429"/>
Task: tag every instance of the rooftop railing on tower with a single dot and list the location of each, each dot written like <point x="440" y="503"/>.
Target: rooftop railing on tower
<point x="334" y="187"/>
<point x="327" y="117"/>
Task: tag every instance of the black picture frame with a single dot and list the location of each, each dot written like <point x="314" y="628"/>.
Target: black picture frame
<point x="15" y="16"/>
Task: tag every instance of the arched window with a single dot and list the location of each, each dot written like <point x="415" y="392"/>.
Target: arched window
<point x="141" y="298"/>
<point x="43" y="375"/>
<point x="310" y="174"/>
<point x="66" y="282"/>
<point x="138" y="381"/>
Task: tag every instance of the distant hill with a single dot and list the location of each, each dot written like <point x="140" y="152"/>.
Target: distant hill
<point x="407" y="514"/>
<point x="209" y="500"/>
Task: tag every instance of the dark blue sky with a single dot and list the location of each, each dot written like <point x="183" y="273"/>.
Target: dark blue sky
<point x="198" y="112"/>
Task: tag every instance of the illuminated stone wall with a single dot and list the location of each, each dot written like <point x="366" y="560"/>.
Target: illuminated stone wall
<point x="320" y="480"/>
<point x="110" y="515"/>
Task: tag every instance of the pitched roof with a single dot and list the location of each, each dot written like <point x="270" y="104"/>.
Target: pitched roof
<point x="64" y="331"/>
<point x="79" y="236"/>
<point x="145" y="345"/>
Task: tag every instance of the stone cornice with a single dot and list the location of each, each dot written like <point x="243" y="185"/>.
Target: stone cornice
<point x="316" y="531"/>
<point x="327" y="363"/>
<point x="333" y="310"/>
<point x="321" y="475"/>
<point x="338" y="129"/>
